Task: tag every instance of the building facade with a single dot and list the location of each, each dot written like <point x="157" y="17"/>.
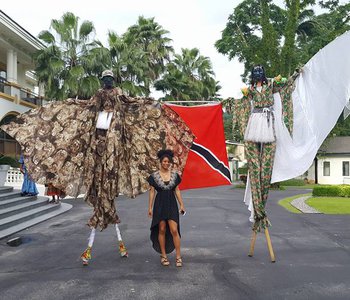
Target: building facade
<point x="19" y="90"/>
<point x="332" y="163"/>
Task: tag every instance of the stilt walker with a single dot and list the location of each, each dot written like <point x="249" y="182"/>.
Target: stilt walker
<point x="256" y="124"/>
<point x="100" y="147"/>
<point x="284" y="122"/>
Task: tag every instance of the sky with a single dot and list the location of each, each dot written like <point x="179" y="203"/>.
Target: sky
<point x="191" y="23"/>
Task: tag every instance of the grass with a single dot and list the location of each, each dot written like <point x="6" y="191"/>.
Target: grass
<point x="306" y="186"/>
<point x="286" y="203"/>
<point x="330" y="205"/>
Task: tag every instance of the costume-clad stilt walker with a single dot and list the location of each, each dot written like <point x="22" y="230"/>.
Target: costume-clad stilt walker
<point x="100" y="147"/>
<point x="256" y="123"/>
<point x="97" y="194"/>
<point x="284" y="122"/>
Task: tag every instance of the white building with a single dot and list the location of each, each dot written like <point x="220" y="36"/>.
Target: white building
<point x="18" y="87"/>
<point x="332" y="164"/>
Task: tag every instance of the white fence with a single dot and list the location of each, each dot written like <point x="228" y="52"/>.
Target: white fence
<point x="14" y="175"/>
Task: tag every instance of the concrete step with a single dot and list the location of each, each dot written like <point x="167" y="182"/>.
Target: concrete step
<point x="59" y="209"/>
<point x="16" y="201"/>
<point x="27" y="215"/>
<point x="6" y="189"/>
<point x="16" y="209"/>
<point x="14" y="194"/>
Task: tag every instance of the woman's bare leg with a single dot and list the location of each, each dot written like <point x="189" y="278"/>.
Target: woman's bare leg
<point x="161" y="237"/>
<point x="176" y="237"/>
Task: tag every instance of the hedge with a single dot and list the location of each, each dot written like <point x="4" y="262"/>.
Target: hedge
<point x="332" y="190"/>
<point x="293" y="182"/>
<point x="7" y="160"/>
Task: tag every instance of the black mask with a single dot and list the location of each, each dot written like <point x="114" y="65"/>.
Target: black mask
<point x="258" y="74"/>
<point x="108" y="82"/>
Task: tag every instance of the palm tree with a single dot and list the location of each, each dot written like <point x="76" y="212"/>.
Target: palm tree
<point x="150" y="37"/>
<point x="72" y="61"/>
<point x="128" y="65"/>
<point x="189" y="77"/>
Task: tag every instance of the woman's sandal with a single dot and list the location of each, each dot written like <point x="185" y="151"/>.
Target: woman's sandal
<point x="179" y="262"/>
<point x="164" y="261"/>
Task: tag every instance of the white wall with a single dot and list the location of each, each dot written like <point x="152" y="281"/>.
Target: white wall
<point x="8" y="106"/>
<point x="336" y="170"/>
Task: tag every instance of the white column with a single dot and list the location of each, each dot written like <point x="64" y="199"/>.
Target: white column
<point x="15" y="67"/>
<point x="10" y="68"/>
<point x="41" y="90"/>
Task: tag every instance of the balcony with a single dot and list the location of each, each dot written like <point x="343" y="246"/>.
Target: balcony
<point x="15" y="93"/>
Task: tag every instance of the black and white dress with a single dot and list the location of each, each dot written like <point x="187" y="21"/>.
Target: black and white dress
<point x="164" y="208"/>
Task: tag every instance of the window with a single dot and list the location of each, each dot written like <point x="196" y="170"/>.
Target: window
<point x="346" y="168"/>
<point x="326" y="168"/>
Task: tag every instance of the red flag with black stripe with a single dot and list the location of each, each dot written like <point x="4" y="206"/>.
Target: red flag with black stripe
<point x="207" y="162"/>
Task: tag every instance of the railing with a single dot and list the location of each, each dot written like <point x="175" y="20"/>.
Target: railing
<point x="14" y="175"/>
<point x="29" y="96"/>
<point x="25" y="94"/>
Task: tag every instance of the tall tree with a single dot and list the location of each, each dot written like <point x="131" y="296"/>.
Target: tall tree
<point x="72" y="61"/>
<point x="129" y="65"/>
<point x="151" y="38"/>
<point x="259" y="31"/>
<point x="189" y="76"/>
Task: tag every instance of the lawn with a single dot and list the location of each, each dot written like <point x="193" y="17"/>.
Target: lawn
<point x="330" y="205"/>
<point x="286" y="203"/>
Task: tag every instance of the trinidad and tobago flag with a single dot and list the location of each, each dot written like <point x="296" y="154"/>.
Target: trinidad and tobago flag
<point x="207" y="163"/>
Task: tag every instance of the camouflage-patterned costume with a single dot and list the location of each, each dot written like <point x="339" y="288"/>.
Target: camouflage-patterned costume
<point x="62" y="146"/>
<point x="260" y="156"/>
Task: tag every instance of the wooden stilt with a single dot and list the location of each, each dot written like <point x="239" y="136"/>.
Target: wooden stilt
<point x="252" y="244"/>
<point x="269" y="245"/>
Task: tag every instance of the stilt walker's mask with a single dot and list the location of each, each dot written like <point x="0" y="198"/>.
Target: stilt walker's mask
<point x="108" y="79"/>
<point x="258" y="74"/>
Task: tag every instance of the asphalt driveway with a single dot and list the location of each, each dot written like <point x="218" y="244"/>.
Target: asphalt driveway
<point x="312" y="255"/>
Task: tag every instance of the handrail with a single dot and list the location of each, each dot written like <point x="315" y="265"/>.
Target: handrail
<point x="25" y="94"/>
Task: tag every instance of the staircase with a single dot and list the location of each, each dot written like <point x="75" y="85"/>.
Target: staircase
<point x="18" y="213"/>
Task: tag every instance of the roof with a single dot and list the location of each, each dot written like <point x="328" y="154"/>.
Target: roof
<point x="336" y="145"/>
<point x="17" y="34"/>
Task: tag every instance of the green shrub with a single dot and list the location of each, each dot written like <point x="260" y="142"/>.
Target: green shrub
<point x="243" y="170"/>
<point x="332" y="190"/>
<point x="345" y="190"/>
<point x="7" y="160"/>
<point x="293" y="182"/>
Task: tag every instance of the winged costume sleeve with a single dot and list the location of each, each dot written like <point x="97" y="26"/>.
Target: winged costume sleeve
<point x="59" y="144"/>
<point x="321" y="92"/>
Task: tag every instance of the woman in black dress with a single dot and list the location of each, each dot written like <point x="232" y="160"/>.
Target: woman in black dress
<point x="163" y="209"/>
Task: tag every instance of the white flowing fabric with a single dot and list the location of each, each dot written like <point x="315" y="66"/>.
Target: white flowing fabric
<point x="321" y="93"/>
<point x="248" y="200"/>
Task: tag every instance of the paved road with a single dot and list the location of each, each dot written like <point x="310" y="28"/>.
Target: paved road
<point x="312" y="252"/>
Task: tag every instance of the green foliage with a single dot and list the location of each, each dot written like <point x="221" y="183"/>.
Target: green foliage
<point x="342" y="128"/>
<point x="70" y="64"/>
<point x="8" y="160"/>
<point x="139" y="57"/>
<point x="228" y="127"/>
<point x="243" y="170"/>
<point x="259" y="32"/>
<point x="188" y="76"/>
<point x="293" y="182"/>
<point x="332" y="190"/>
